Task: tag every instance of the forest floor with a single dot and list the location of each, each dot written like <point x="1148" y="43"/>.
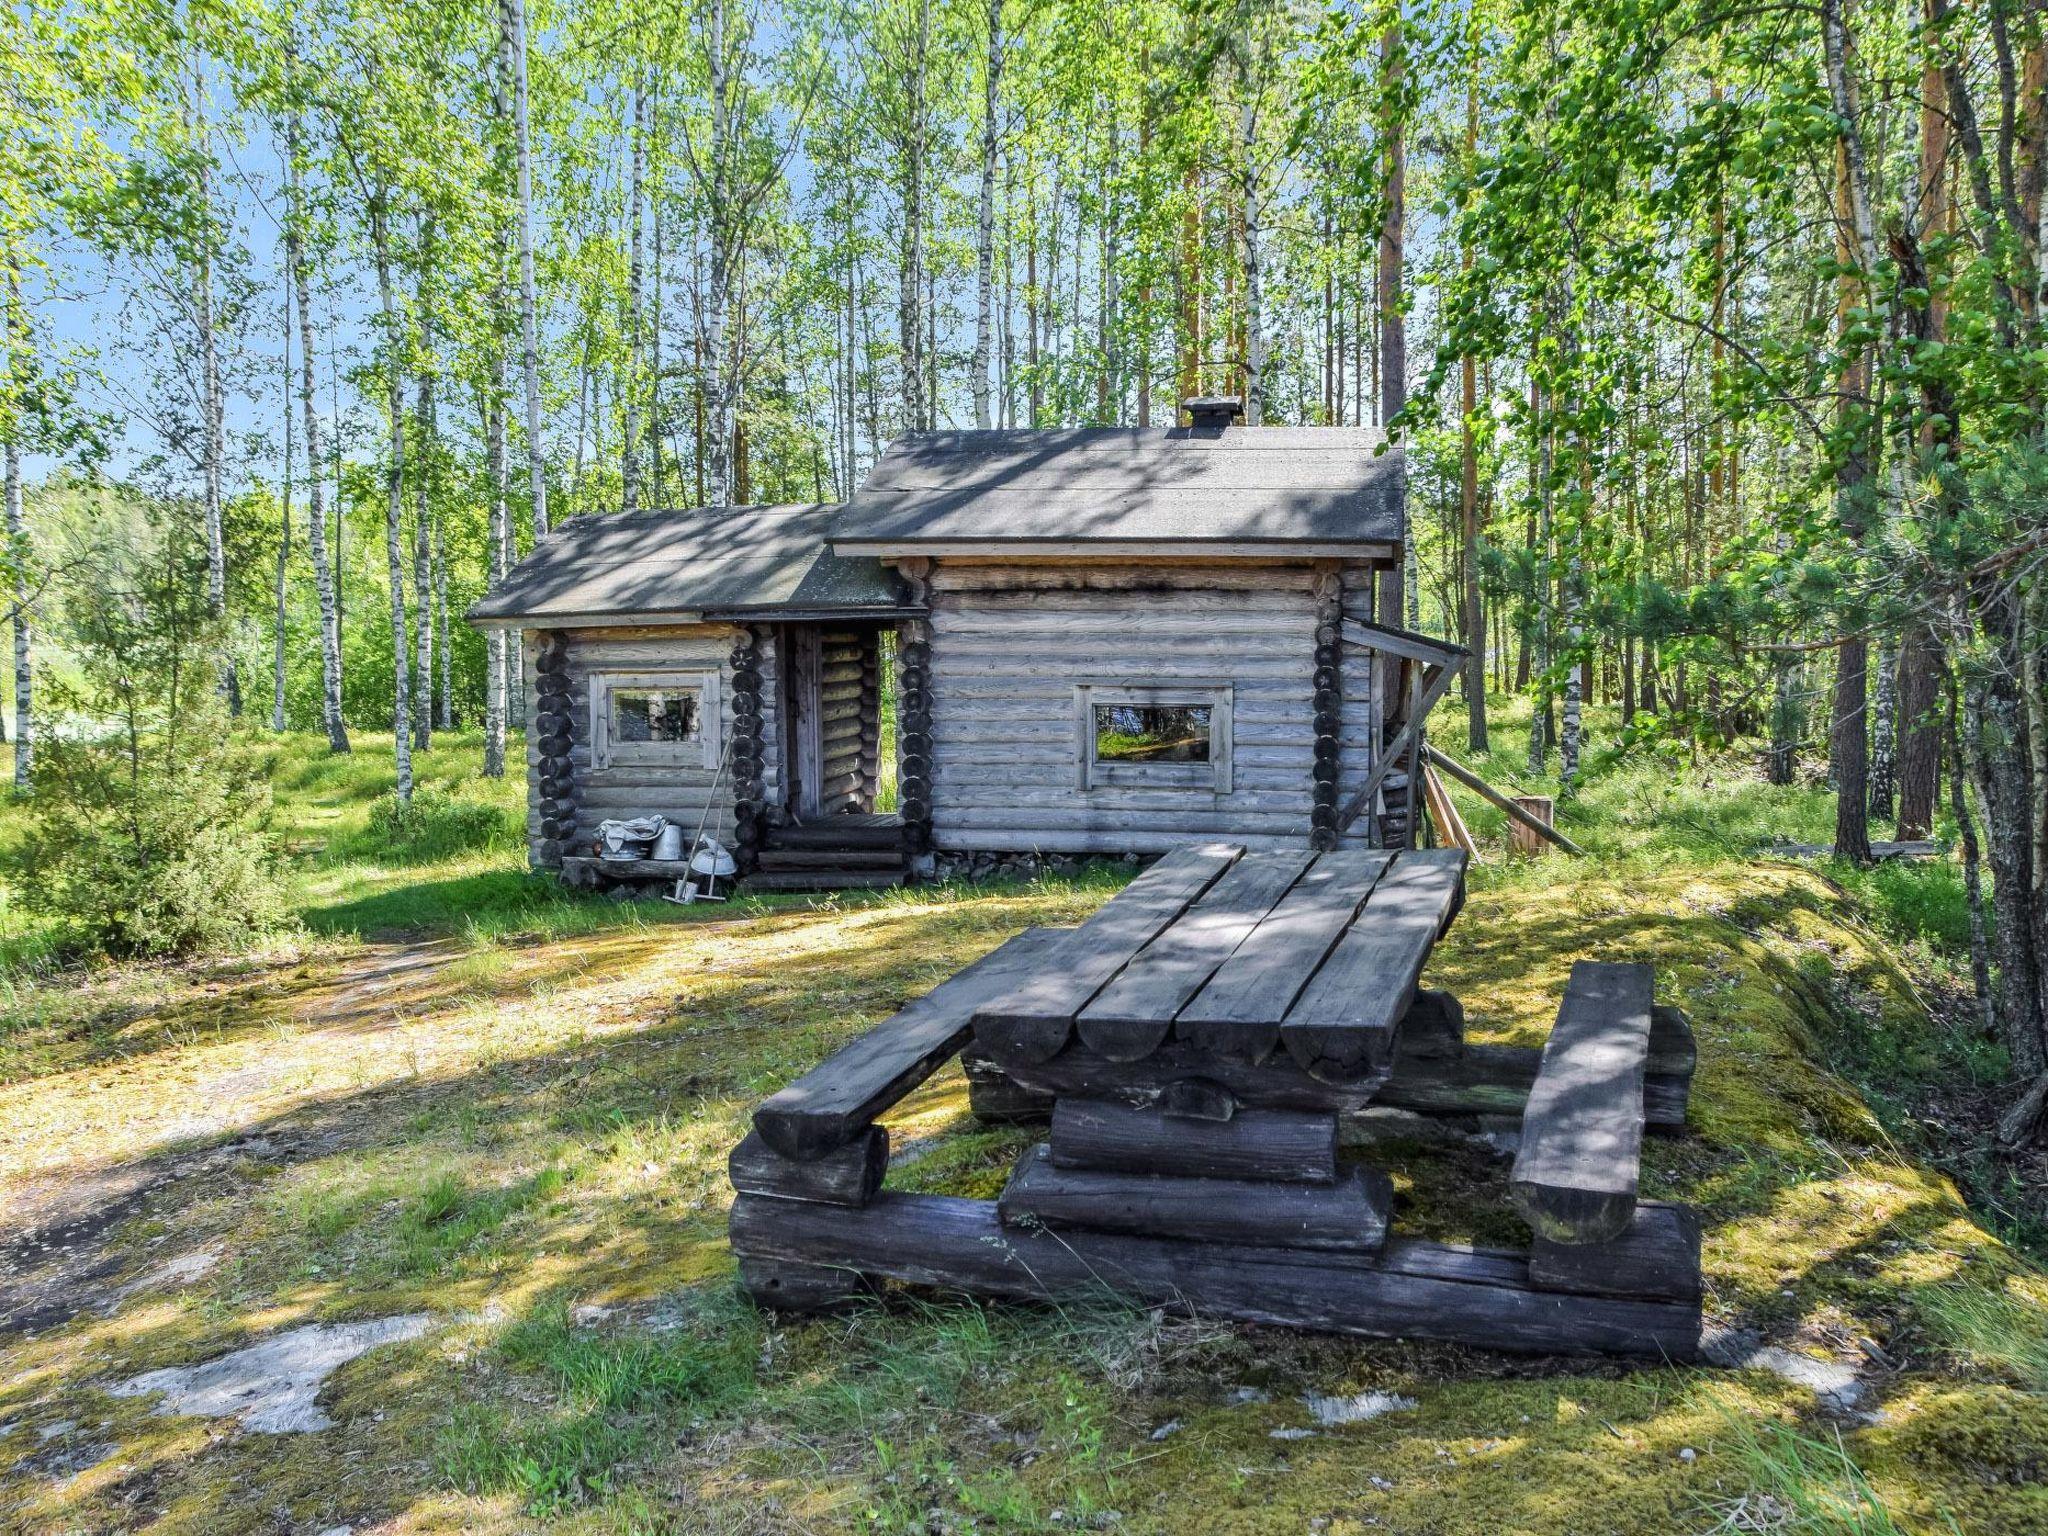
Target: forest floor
<point x="453" y="1156"/>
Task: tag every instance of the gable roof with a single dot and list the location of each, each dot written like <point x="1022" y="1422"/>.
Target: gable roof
<point x="679" y="566"/>
<point x="1290" y="490"/>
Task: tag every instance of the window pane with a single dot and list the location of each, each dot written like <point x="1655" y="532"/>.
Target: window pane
<point x="1152" y="733"/>
<point x="648" y="714"/>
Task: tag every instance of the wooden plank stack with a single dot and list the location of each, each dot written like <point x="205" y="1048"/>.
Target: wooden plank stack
<point x="1195" y="1045"/>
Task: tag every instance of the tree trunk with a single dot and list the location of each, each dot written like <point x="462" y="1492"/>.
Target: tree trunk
<point x="1393" y="352"/>
<point x="394" y="493"/>
<point x="910" y="269"/>
<point x="284" y="536"/>
<point x="985" y="226"/>
<point x="18" y="558"/>
<point x="1848" y="736"/>
<point x="629" y="383"/>
<point x="1995" y="750"/>
<point x="512" y="22"/>
<point x="1468" y="491"/>
<point x="423" y="507"/>
<point x="1973" y="878"/>
<point x="1884" y="736"/>
<point x="1254" y="262"/>
<point x="497" y="682"/>
<point x="316" y="513"/>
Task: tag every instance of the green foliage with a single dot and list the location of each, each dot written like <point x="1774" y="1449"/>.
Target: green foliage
<point x="436" y="824"/>
<point x="147" y="833"/>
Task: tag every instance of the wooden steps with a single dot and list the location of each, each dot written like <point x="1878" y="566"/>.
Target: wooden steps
<point x="833" y="853"/>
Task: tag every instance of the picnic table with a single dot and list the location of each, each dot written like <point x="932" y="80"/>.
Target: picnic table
<point x="1196" y="1048"/>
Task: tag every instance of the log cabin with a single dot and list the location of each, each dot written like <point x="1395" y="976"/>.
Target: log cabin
<point x="1096" y="640"/>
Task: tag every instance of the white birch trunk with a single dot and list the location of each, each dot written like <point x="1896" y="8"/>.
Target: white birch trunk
<point x="985" y="229"/>
<point x="284" y="541"/>
<point x="212" y="432"/>
<point x="394" y="496"/>
<point x="24" y="658"/>
<point x="512" y="17"/>
<point x="316" y="514"/>
<point x="497" y="682"/>
<point x="423" y="510"/>
<point x="629" y="390"/>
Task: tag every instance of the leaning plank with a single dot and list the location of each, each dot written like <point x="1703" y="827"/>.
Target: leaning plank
<point x="1237" y="1014"/>
<point x="1673" y="1050"/>
<point x="1656" y="1255"/>
<point x="1255" y="1144"/>
<point x="1342" y="1024"/>
<point x="956" y="1244"/>
<point x="836" y="1100"/>
<point x="1135" y="1011"/>
<point x="1574" y="1179"/>
<point x="1349" y="1215"/>
<point x="847" y="1175"/>
<point x="1033" y="1016"/>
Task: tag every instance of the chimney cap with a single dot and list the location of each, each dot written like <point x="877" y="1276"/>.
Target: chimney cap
<point x="1214" y="411"/>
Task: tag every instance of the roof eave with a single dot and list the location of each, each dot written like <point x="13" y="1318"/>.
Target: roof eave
<point x="1210" y="549"/>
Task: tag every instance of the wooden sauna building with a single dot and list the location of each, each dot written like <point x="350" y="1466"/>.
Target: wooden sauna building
<point x="1098" y="640"/>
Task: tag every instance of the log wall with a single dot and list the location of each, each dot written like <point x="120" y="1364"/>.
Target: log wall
<point x="1009" y="644"/>
<point x="567" y="797"/>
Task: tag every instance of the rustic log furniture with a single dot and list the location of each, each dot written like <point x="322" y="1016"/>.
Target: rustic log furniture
<point x="1197" y="1044"/>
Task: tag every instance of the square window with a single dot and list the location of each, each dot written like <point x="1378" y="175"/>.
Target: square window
<point x="654" y="719"/>
<point x="648" y="714"/>
<point x="1173" y="737"/>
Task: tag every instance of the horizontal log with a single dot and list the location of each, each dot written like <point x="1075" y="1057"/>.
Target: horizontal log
<point x="783" y="1286"/>
<point x="1657" y="1255"/>
<point x="847" y="1175"/>
<point x="1349" y="1214"/>
<point x="1495" y="1080"/>
<point x="1410" y="1290"/>
<point x="1255" y="1144"/>
<point x="1276" y="1083"/>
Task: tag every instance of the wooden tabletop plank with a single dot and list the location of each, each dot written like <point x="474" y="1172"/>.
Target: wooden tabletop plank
<point x="839" y="1098"/>
<point x="1033" y="1018"/>
<point x="1342" y="1023"/>
<point x="1575" y="1176"/>
<point x="1130" y="1016"/>
<point x="1237" y="1013"/>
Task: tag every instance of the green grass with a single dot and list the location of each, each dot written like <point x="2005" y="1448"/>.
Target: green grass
<point x="525" y="1139"/>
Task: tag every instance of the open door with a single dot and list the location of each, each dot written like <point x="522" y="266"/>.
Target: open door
<point x="805" y="679"/>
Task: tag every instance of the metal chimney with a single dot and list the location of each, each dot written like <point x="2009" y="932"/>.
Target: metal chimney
<point x="1213" y="413"/>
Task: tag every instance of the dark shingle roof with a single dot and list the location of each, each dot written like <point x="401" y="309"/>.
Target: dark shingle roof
<point x="704" y="561"/>
<point x="1279" y="486"/>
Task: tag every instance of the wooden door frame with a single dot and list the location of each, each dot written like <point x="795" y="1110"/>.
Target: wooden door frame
<point x="803" y="685"/>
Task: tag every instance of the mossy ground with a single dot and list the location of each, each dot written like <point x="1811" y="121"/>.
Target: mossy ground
<point x="464" y="1093"/>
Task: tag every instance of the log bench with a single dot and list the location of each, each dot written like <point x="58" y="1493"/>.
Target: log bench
<point x="1194" y="1047"/>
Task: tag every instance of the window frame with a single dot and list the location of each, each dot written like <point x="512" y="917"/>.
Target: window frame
<point x="1212" y="777"/>
<point x="605" y="752"/>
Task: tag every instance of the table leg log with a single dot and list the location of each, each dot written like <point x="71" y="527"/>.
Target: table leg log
<point x="847" y="1175"/>
<point x="1349" y="1215"/>
<point x="1256" y="1144"/>
<point x="1657" y="1255"/>
<point x="1413" y="1290"/>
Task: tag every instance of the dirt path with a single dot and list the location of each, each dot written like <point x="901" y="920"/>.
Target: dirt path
<point x="58" y="1256"/>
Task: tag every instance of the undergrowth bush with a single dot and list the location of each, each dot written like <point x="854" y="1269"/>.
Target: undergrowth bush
<point x="435" y="824"/>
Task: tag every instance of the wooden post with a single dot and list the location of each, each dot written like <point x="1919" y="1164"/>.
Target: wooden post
<point x="1523" y="839"/>
<point x="1329" y="705"/>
